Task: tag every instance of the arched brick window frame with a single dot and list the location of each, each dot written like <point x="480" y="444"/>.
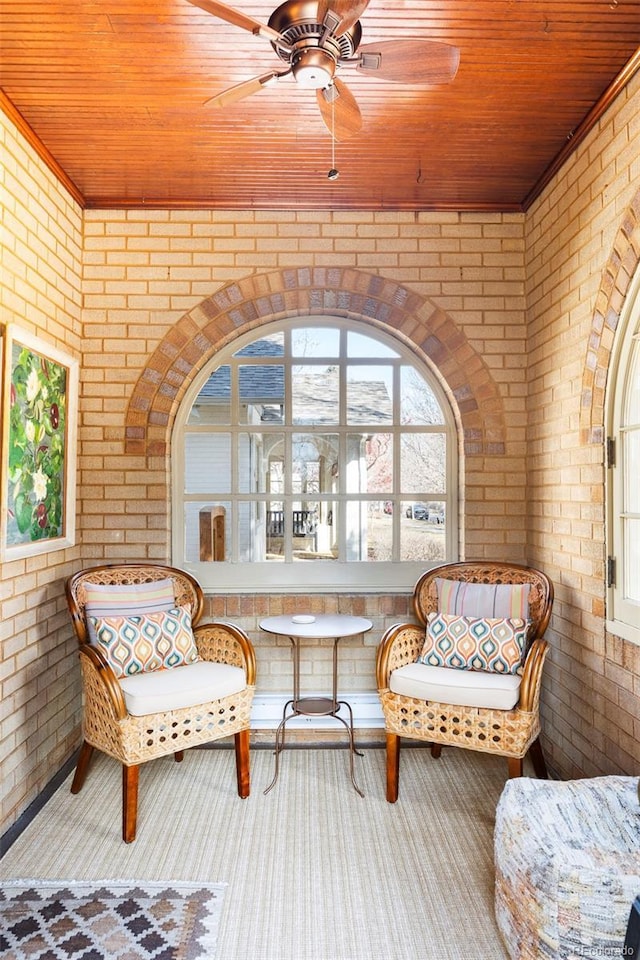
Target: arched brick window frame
<point x="614" y="286"/>
<point x="241" y="305"/>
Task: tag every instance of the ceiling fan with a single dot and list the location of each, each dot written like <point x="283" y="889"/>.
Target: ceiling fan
<point x="315" y="37"/>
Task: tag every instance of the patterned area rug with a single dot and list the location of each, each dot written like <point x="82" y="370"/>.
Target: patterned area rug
<point x="118" y="920"/>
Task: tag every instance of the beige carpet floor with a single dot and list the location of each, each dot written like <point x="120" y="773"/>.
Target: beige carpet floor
<point x="314" y="872"/>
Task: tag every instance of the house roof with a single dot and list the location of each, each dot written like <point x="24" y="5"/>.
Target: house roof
<point x="315" y="394"/>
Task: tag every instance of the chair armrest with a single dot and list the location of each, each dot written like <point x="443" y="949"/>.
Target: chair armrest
<point x="101" y="686"/>
<point x="532" y="676"/>
<point x="223" y="642"/>
<point x="401" y="644"/>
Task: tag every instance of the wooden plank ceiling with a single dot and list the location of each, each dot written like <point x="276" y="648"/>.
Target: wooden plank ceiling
<point x="115" y="91"/>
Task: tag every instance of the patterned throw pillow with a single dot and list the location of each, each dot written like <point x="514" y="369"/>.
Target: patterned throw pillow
<point x="147" y="641"/>
<point x="483" y="599"/>
<point x="111" y="599"/>
<point x="493" y="644"/>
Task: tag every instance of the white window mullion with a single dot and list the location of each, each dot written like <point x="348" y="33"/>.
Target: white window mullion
<point x="234" y="519"/>
<point x="396" y="516"/>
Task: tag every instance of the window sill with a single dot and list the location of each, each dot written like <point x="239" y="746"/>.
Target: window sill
<point x="624" y="630"/>
<point x="307" y="577"/>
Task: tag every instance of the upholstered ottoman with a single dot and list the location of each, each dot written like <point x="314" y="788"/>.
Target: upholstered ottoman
<point x="567" y="857"/>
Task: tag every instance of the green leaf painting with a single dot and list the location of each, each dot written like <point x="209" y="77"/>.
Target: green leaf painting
<point x="36" y="448"/>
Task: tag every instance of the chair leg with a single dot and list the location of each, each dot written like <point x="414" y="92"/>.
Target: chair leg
<point x="82" y="767"/>
<point x="393" y="766"/>
<point x="242" y="763"/>
<point x="537" y="758"/>
<point x="179" y="756"/>
<point x="515" y="766"/>
<point x="436" y="750"/>
<point x="130" y="778"/>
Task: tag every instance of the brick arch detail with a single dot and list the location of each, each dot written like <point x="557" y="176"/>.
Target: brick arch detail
<point x="614" y="287"/>
<point x="241" y="305"/>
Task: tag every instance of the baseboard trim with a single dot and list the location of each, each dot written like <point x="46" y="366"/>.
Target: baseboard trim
<point x="267" y="712"/>
<point x="11" y="835"/>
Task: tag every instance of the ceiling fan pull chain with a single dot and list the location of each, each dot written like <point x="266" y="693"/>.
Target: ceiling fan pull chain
<point x="333" y="173"/>
<point x="333" y="133"/>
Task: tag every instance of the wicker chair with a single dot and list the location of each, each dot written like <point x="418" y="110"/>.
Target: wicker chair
<point x="507" y="732"/>
<point x="109" y="726"/>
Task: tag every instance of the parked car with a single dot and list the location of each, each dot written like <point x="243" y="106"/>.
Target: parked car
<point x="417" y="511"/>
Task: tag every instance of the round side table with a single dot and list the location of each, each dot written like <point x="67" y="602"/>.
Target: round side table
<point x="326" y="626"/>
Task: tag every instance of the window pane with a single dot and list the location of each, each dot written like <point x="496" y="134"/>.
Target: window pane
<point x="271" y="346"/>
<point x="315" y="463"/>
<point x="314" y="393"/>
<point x="329" y="514"/>
<point x="380" y="531"/>
<point x="275" y="531"/>
<point x="213" y="403"/>
<point x="359" y="345"/>
<point x="274" y="455"/>
<point x="261" y="393"/>
<point x="369" y="391"/>
<point x="358" y="533"/>
<point x="304" y="529"/>
<point x="631" y="460"/>
<point x="369" y="467"/>
<point x="417" y="401"/>
<point x="252" y="532"/>
<point x="207" y="463"/>
<point x="423" y="462"/>
<point x="422" y="531"/>
<point x="633" y="400"/>
<point x="307" y="524"/>
<point x="632" y="562"/>
<point x="315" y="342"/>
<point x="260" y="463"/>
<point x="370" y="533"/>
<point x="207" y="532"/>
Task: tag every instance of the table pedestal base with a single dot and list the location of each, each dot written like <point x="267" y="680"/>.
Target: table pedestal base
<point x="316" y="707"/>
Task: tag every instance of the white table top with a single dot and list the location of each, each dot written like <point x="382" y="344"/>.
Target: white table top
<point x="324" y="625"/>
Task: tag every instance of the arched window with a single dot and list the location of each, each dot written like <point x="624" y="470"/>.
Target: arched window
<point x="623" y="488"/>
<point x="316" y="452"/>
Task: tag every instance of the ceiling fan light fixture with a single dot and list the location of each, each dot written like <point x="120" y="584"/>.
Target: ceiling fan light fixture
<point x="313" y="68"/>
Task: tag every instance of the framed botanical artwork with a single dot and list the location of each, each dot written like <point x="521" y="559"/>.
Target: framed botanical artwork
<point x="39" y="431"/>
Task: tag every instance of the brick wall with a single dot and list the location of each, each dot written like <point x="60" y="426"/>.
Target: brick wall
<point x="503" y="305"/>
<point x="40" y="253"/>
<point x="582" y="246"/>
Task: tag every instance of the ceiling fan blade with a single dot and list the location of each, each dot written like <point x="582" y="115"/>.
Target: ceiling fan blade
<point x="239" y="19"/>
<point x="242" y="90"/>
<point x="410" y="61"/>
<point x="339" y="110"/>
<point x="347" y="12"/>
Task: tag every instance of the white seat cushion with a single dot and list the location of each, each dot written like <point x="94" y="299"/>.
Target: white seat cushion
<point x="469" y="688"/>
<point x="178" y="687"/>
